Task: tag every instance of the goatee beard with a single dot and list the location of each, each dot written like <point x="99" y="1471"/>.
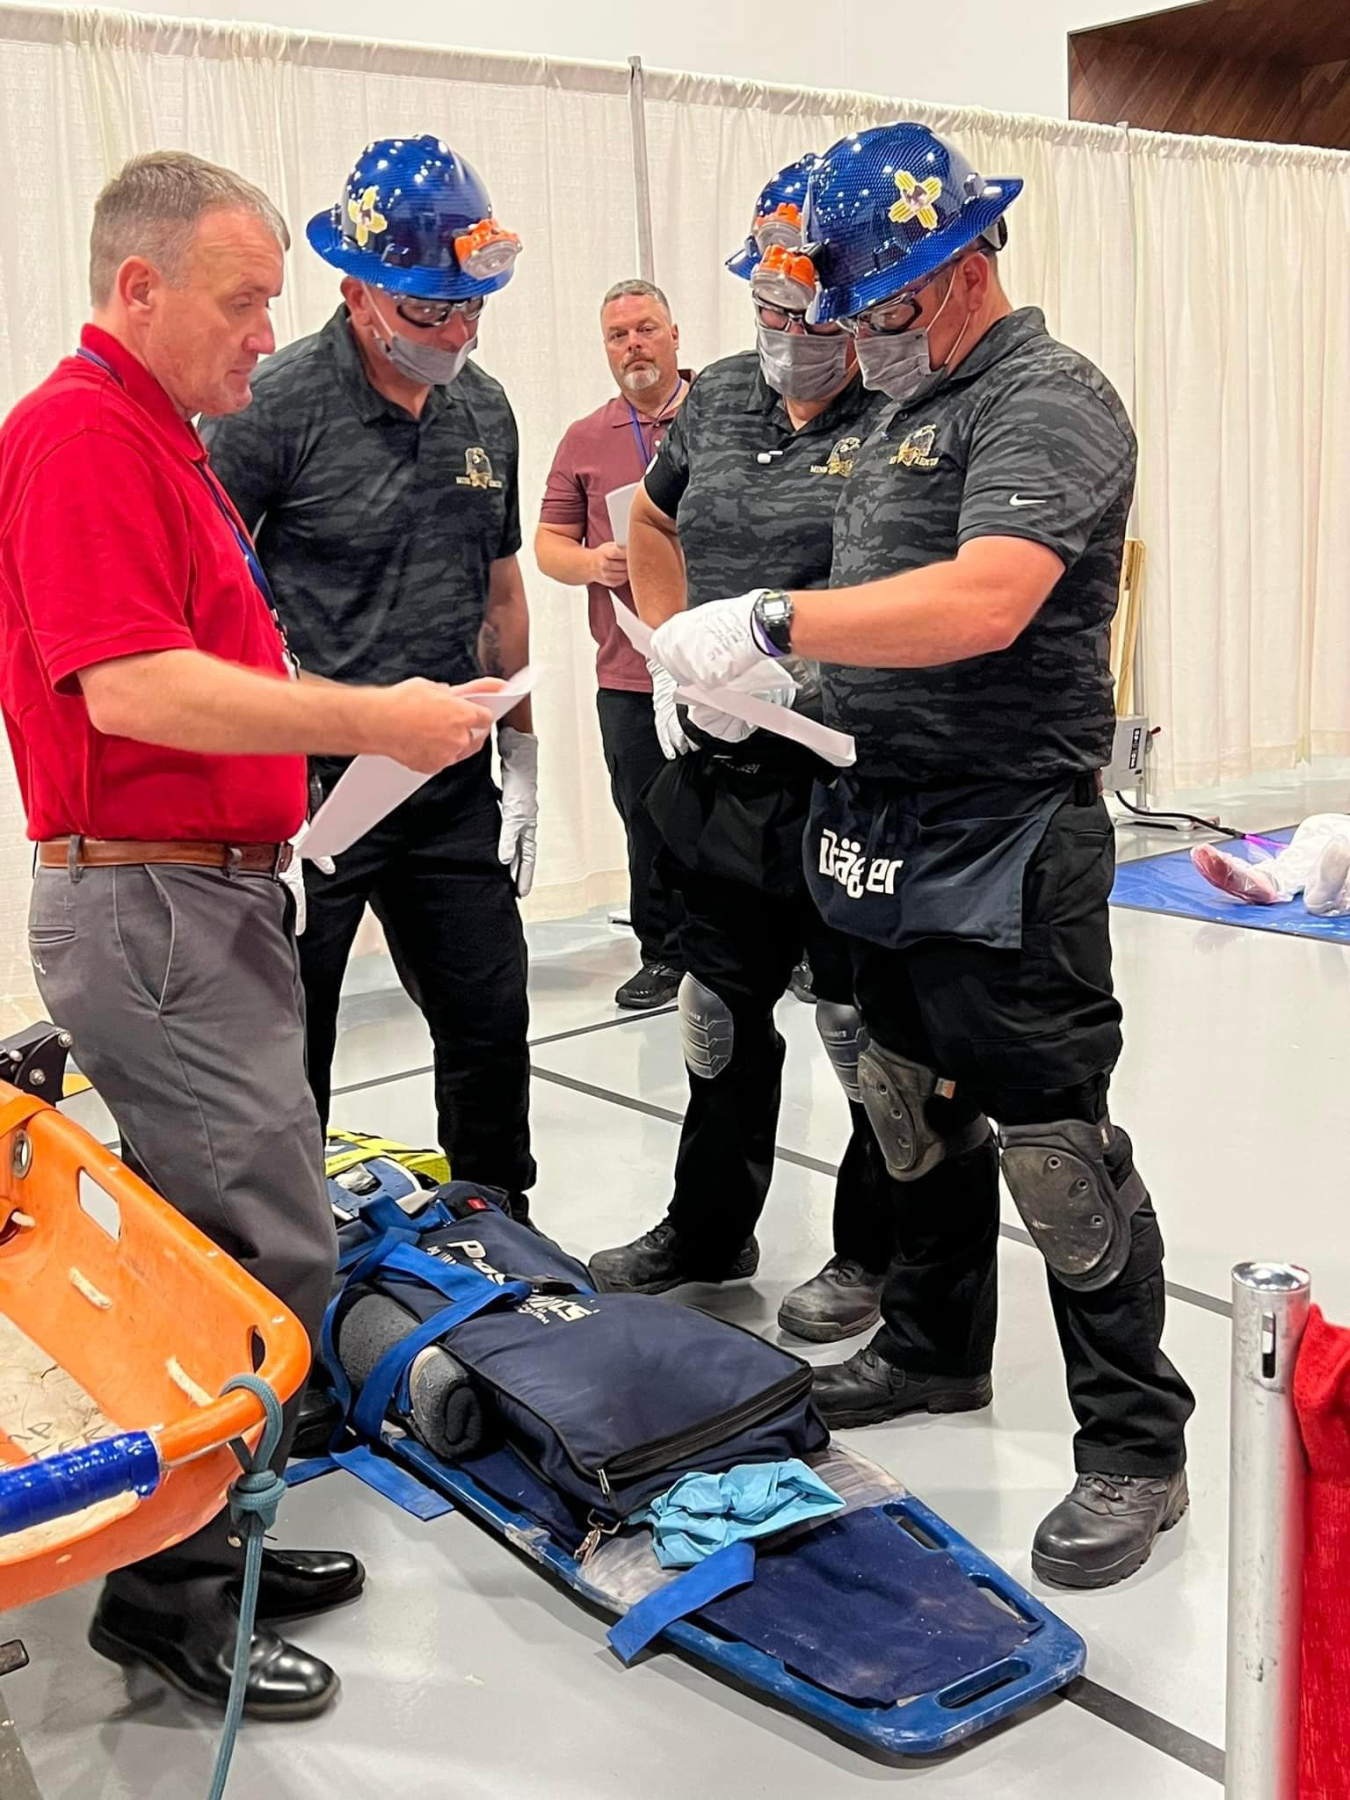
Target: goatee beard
<point x="641" y="376"/>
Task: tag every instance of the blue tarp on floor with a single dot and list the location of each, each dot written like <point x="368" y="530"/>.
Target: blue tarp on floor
<point x="1171" y="884"/>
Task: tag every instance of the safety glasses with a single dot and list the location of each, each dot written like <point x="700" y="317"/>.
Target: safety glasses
<point x="783" y="318"/>
<point x="426" y="315"/>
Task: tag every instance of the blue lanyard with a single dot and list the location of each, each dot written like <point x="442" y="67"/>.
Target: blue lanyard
<point x="645" y="453"/>
<point x="213" y="487"/>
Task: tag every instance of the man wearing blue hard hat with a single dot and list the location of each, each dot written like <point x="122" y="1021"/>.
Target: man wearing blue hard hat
<point x="377" y="468"/>
<point x="964" y="644"/>
<point x="757" y="456"/>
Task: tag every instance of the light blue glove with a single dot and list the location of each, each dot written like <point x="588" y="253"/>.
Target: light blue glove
<point x="702" y="1514"/>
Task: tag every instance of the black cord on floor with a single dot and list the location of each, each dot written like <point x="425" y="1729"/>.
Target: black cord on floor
<point x="1175" y="821"/>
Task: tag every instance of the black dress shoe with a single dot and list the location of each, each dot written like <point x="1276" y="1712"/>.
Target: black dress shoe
<point x="655" y="984"/>
<point x="298" y="1583"/>
<point x="660" y="1260"/>
<point x="867" y="1390"/>
<point x="283" y="1682"/>
<point x="1106" y="1528"/>
<point x="838" y="1303"/>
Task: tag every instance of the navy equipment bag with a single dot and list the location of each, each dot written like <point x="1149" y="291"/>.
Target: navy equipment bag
<point x="610" y="1397"/>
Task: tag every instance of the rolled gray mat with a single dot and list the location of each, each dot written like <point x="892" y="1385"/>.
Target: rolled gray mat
<point x="447" y="1414"/>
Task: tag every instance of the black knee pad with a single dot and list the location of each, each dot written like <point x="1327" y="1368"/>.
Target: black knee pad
<point x="841" y="1032"/>
<point x="1077" y="1190"/>
<point x="707" y="1031"/>
<point x="895" y="1095"/>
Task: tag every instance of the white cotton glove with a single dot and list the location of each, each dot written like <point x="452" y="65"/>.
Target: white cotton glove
<point x="710" y="645"/>
<point x="669" y="731"/>
<point x="519" y="751"/>
<point x="768" y="681"/>
<point x="294" y="879"/>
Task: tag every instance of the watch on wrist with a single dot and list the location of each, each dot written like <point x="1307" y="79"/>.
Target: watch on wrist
<point x="773" y="622"/>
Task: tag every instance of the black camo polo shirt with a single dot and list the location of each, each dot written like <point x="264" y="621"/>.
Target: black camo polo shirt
<point x="377" y="530"/>
<point x="1026" y="439"/>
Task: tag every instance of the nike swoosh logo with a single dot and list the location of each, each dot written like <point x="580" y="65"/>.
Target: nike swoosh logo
<point x="1025" y="500"/>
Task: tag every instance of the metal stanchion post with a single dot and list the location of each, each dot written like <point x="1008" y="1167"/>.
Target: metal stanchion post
<point x="1265" y="1535"/>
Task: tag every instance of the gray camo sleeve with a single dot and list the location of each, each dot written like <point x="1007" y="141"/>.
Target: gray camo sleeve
<point x="1048" y="459"/>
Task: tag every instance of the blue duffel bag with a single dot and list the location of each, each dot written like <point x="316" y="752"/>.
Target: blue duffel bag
<point x="610" y="1397"/>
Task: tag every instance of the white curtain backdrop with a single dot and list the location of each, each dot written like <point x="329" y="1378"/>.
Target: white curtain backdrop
<point x="1209" y="279"/>
<point x="1243" y="390"/>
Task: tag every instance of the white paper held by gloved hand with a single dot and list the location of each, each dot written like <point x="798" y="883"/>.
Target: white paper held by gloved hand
<point x="708" y="646"/>
<point x="373" y="786"/>
<point x="770" y="683"/>
<point x="519" y="752"/>
<point x="835" y="747"/>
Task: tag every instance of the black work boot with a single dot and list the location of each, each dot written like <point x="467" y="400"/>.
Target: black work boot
<point x="659" y="1261"/>
<point x="867" y="1390"/>
<point x="655" y="984"/>
<point x="1105" y="1529"/>
<point x="838" y="1303"/>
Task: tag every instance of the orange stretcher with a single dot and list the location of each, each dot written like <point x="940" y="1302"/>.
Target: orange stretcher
<point x="151" y="1320"/>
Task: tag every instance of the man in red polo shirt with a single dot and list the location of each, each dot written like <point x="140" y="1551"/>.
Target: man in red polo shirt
<point x="606" y="451"/>
<point x="160" y="739"/>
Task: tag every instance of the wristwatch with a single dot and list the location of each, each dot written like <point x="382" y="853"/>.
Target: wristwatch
<point x="772" y="615"/>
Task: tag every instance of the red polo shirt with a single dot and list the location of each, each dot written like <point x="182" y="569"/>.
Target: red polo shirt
<point x="604" y="451"/>
<point x="111" y="544"/>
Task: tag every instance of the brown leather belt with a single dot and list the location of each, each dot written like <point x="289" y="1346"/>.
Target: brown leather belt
<point x="115" y="853"/>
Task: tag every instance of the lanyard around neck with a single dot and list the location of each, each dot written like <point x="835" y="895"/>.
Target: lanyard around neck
<point x="217" y="493"/>
<point x="646" y="451"/>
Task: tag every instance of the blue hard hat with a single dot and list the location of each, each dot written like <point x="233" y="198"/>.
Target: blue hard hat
<point x="886" y="208"/>
<point x="414" y="217"/>
<point x="777" y="216"/>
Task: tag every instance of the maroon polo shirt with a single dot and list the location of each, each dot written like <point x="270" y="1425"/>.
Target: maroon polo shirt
<point x="113" y="544"/>
<point x="598" y="454"/>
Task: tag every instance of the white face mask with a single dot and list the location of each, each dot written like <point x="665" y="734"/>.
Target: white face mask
<point x="426" y="364"/>
<point x="800" y="367"/>
<point x="901" y="366"/>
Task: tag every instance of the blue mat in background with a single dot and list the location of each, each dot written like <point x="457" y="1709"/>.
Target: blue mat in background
<point x="1171" y="884"/>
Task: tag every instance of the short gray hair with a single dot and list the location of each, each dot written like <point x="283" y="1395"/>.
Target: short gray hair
<point x="645" y="290"/>
<point x="152" y="206"/>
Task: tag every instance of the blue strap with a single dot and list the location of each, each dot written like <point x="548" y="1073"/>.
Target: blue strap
<point x="394" y="1483"/>
<point x="728" y="1568"/>
<point x="466" y="1289"/>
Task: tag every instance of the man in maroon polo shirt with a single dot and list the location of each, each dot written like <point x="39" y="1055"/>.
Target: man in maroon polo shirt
<point x="609" y="450"/>
<point x="159" y="738"/>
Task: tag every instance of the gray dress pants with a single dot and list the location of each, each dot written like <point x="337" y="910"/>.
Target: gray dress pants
<point x="181" y="989"/>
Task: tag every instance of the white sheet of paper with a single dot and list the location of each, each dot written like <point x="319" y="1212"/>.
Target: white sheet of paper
<point x="374" y="785"/>
<point x="620" y="504"/>
<point x="837" y="747"/>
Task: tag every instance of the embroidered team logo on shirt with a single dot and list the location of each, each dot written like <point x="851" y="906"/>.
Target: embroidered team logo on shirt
<point x="477" y="470"/>
<point x="840" y="459"/>
<point x="916" y="452"/>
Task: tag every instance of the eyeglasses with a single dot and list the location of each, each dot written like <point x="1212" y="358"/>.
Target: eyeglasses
<point x="887" y="320"/>
<point x="899" y="314"/>
<point x="426" y="315"/>
<point x="783" y="318"/>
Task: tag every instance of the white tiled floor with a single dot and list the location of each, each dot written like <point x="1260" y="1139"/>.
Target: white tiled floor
<point x="466" y="1675"/>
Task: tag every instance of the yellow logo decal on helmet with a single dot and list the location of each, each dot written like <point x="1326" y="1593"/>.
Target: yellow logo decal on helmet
<point x="368" y="222"/>
<point x="916" y="199"/>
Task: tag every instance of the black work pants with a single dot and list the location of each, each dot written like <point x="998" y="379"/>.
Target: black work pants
<point x="742" y="936"/>
<point x="633" y="757"/>
<point x="1029" y="1037"/>
<point x="430" y="873"/>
